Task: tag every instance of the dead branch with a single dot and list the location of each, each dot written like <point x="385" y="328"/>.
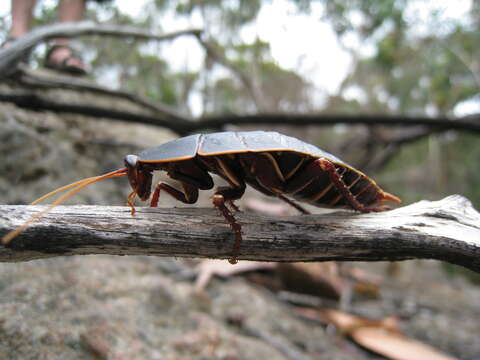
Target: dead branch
<point x="216" y="55"/>
<point x="381" y="148"/>
<point x="11" y="55"/>
<point x="183" y="126"/>
<point x="34" y="79"/>
<point x="447" y="230"/>
<point x="470" y="123"/>
<point x="33" y="101"/>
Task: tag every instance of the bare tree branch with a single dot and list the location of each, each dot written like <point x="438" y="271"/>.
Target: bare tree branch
<point x="392" y="145"/>
<point x="380" y="148"/>
<point x="183" y="126"/>
<point x="215" y="54"/>
<point x="33" y="101"/>
<point x="447" y="230"/>
<point x="470" y="123"/>
<point x="35" y="79"/>
<point x="10" y="55"/>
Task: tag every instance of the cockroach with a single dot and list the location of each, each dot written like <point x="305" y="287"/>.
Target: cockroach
<point x="272" y="163"/>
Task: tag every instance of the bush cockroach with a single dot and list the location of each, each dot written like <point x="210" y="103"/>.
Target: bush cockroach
<point x="272" y="163"/>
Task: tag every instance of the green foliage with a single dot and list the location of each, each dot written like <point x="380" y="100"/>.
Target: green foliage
<point x="374" y="15"/>
<point x="233" y="13"/>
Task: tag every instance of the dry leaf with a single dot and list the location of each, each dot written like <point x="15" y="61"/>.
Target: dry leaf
<point x="395" y="346"/>
<point x="347" y="323"/>
<point x="380" y="336"/>
<point x="322" y="279"/>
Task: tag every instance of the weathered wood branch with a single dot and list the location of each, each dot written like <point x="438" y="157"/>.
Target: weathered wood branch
<point x="10" y="55"/>
<point x="447" y="230"/>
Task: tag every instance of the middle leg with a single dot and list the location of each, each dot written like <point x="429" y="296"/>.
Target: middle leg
<point x="229" y="194"/>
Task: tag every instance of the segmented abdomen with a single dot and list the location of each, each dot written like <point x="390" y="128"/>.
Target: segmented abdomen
<point x="292" y="174"/>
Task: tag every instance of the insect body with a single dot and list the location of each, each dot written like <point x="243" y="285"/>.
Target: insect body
<point x="272" y="163"/>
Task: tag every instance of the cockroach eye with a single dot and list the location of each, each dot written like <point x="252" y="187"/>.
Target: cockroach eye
<point x="131" y="160"/>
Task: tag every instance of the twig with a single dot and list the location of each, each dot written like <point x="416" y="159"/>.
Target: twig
<point x="33" y="101"/>
<point x="447" y="230"/>
<point x="35" y="79"/>
<point x="215" y="54"/>
<point x="380" y="149"/>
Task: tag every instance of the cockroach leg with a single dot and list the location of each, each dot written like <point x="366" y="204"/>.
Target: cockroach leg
<point x="131" y="202"/>
<point x="219" y="203"/>
<point x="233" y="206"/>
<point x="221" y="196"/>
<point x="292" y="203"/>
<point x="342" y="188"/>
<point x="188" y="196"/>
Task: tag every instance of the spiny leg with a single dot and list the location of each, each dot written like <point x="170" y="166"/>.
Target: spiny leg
<point x="342" y="188"/>
<point x="188" y="196"/>
<point x="221" y="196"/>
<point x="233" y="206"/>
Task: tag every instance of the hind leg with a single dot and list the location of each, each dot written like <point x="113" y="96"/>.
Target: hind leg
<point x="294" y="204"/>
<point x="342" y="188"/>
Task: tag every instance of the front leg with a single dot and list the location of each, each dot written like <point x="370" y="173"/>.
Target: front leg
<point x="188" y="196"/>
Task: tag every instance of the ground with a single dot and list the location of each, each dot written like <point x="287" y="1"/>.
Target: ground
<point x="146" y="308"/>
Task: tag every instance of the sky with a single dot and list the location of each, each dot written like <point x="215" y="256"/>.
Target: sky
<point x="290" y="35"/>
<point x="301" y="42"/>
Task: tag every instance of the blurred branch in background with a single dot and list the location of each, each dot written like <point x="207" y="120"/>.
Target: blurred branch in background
<point x="248" y="82"/>
<point x="182" y="125"/>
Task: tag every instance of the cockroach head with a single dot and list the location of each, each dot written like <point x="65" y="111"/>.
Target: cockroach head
<point x="140" y="179"/>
